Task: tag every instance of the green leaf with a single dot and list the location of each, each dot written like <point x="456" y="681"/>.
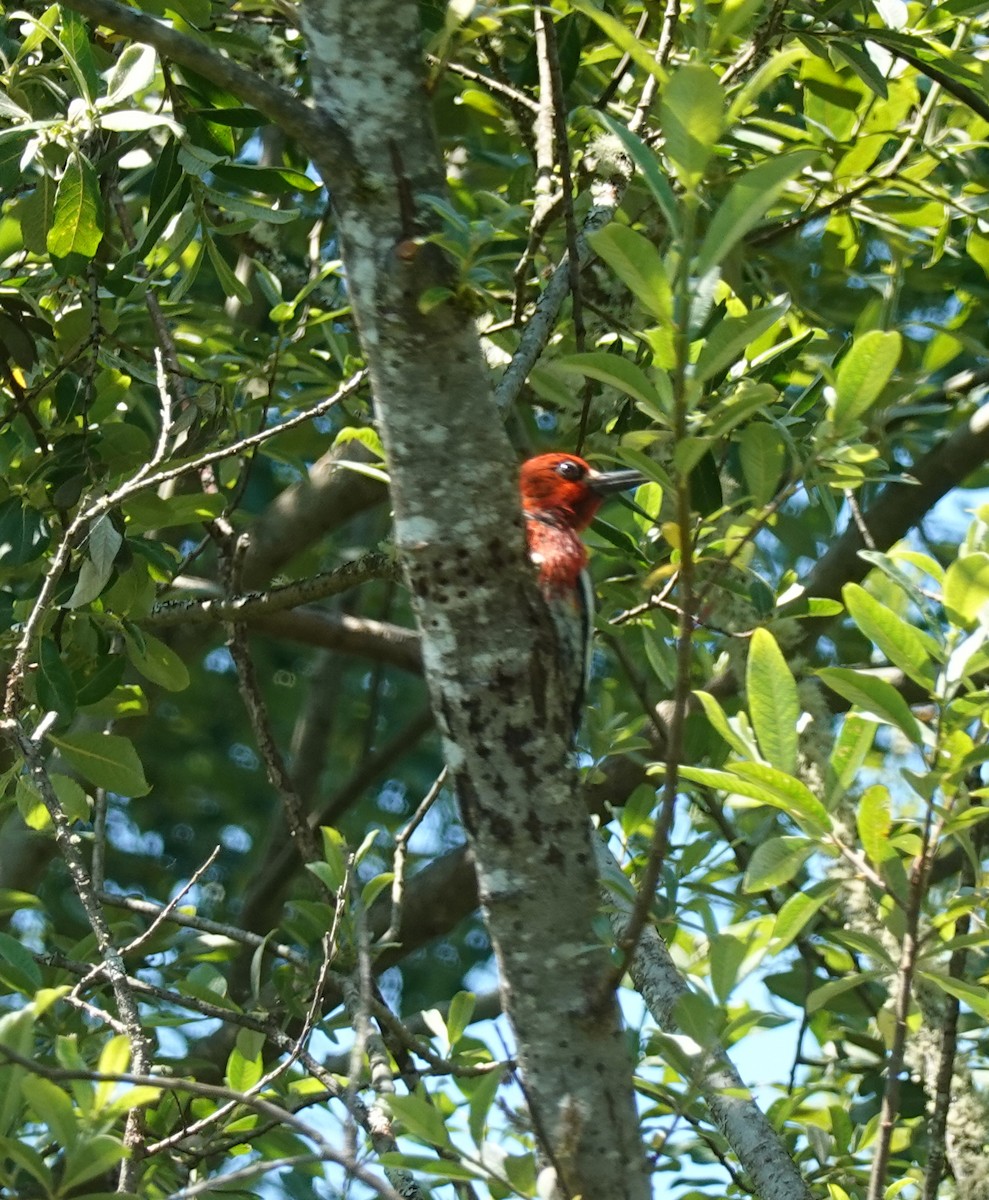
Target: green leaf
<point x="77" y="223"/>
<point x="861" y="943"/>
<point x="827" y="992"/>
<point x="114" y="1060"/>
<point x="649" y="166"/>
<point x="691" y="117"/>
<point x="874" y="821"/>
<point x="730" y="337"/>
<point x="243" y="1072"/>
<point x="52" y="1106"/>
<point x="775" y="862"/>
<point x="27" y="1159"/>
<point x="747" y="203"/>
<point x="75" y="42"/>
<point x="765" y="785"/>
<point x="17" y="1034"/>
<point x="689" y="452"/>
<point x="157" y="662"/>
<point x="132" y="72"/>
<point x="777" y="64"/>
<point x="335" y="854"/>
<point x="375" y="886"/>
<point x="482" y="1094"/>
<point x="105" y="759"/>
<point x="744" y="400"/>
<point x="851" y="746"/>
<point x="966" y="586"/>
<point x="862" y="375"/>
<point x="459" y="1015"/>
<point x="34" y="812"/>
<point x="773" y="703"/>
<point x="763" y="458"/>
<point x="719" y="721"/>
<point x="71" y="797"/>
<point x="228" y="281"/>
<point x="975" y="996"/>
<point x="23" y="534"/>
<point x="903" y="645"/>
<point x="104" y="542"/>
<point x="442" y="1168"/>
<point x="146" y="511"/>
<point x="875" y="696"/>
<point x="134" y="120"/>
<point x="793" y="917"/>
<point x="420" y="1118"/>
<point x="615" y="371"/>
<point x="637" y="263"/>
<point x="17" y="967"/>
<point x="275" y="180"/>
<point x="53" y="683"/>
<point x="91" y="582"/>
<point x="977" y="248"/>
<point x="89" y="1157"/>
<point x="728" y="952"/>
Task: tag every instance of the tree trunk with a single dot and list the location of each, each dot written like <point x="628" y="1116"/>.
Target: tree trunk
<point x="486" y="640"/>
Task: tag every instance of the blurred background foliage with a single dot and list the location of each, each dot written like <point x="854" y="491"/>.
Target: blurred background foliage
<point x="798" y="266"/>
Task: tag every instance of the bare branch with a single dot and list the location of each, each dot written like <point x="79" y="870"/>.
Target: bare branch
<point x="377" y="640"/>
<point x="277" y="599"/>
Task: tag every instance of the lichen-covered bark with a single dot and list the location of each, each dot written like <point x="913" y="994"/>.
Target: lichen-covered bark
<point x="485" y="636"/>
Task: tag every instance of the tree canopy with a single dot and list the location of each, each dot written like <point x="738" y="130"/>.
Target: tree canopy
<point x="305" y="892"/>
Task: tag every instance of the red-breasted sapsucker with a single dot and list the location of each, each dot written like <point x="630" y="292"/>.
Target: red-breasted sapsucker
<point x="560" y="495"/>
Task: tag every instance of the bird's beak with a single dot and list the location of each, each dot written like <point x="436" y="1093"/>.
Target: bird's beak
<point x="606" y="482"/>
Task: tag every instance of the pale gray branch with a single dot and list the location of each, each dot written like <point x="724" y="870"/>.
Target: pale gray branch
<point x="756" y="1144"/>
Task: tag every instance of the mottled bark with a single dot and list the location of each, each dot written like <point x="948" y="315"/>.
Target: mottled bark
<point x="485" y="638"/>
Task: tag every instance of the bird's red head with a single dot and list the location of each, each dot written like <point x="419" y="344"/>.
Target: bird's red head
<point x="568" y="488"/>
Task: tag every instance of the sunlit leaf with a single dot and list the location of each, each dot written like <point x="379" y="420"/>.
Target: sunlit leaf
<point x="773" y="704"/>
<point x="107" y="760"/>
<point x="747" y="203"/>
<point x="873" y="695"/>
<point x="863" y="375"/>
<point x="77" y="225"/>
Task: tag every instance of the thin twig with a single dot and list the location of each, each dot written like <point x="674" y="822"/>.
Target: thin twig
<point x="937" y="1123"/>
<point x="290" y="595"/>
<point x="264" y="736"/>
<point x="546" y="193"/>
<point x="498" y="86"/>
<point x="68" y="845"/>
<point x="664" y="48"/>
<point x="205" y="925"/>
<point x="883" y="173"/>
<point x="167" y="1083"/>
<point x="758" y="46"/>
<point x="142" y="481"/>
<point x="197" y="1128"/>
<point x="906" y="969"/>
<point x="401" y="854"/>
<point x="618" y="74"/>
<point x="162" y="916"/>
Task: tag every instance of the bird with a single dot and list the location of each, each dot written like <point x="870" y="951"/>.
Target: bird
<point x="560" y="495"/>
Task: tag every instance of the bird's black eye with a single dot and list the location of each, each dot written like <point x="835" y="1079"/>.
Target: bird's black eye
<point x="568" y="469"/>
